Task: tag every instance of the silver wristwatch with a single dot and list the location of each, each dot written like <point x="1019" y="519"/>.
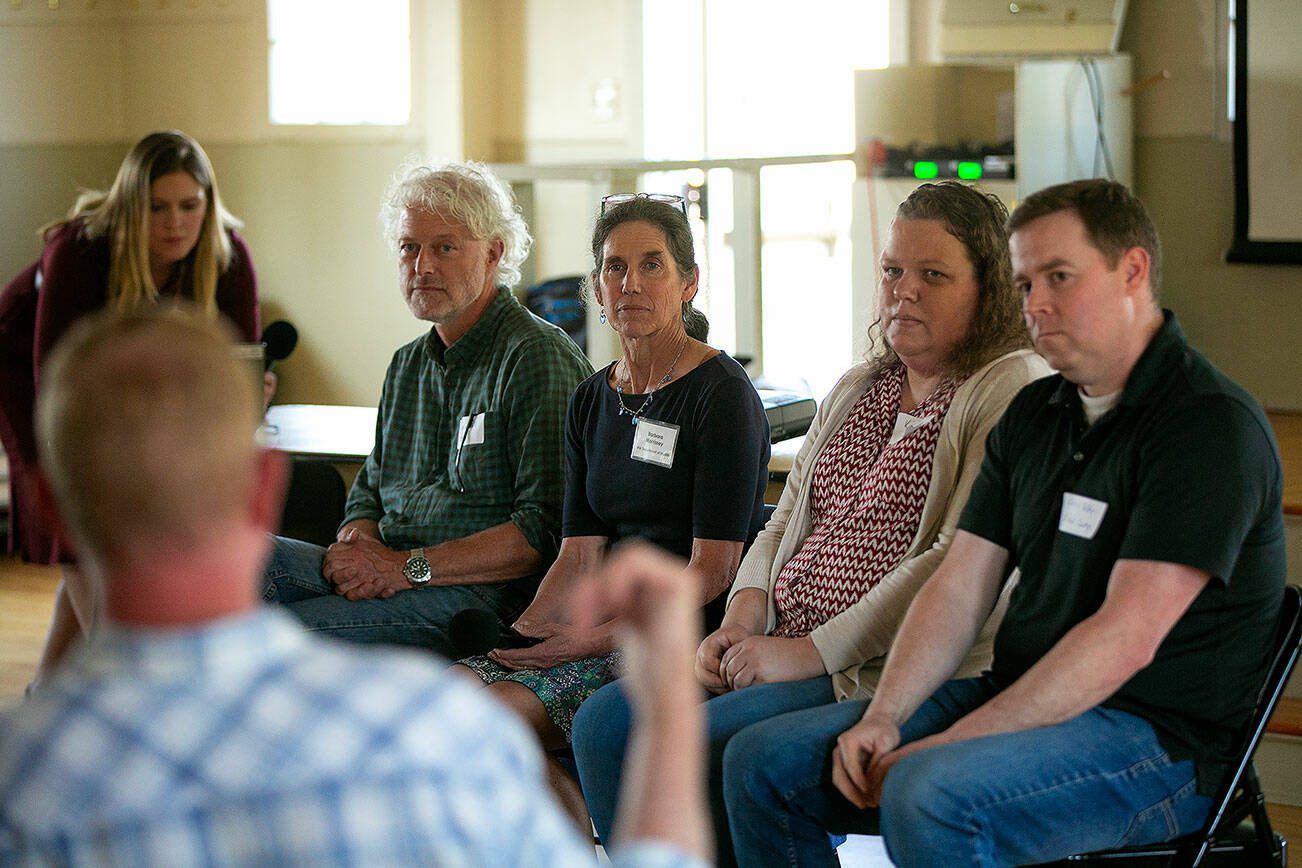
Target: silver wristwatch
<point x="417" y="569"/>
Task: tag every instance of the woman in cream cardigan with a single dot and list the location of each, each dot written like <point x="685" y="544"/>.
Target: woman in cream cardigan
<point x="872" y="500"/>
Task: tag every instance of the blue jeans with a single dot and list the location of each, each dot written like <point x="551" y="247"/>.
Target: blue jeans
<point x="1096" y="781"/>
<point x="412" y="617"/>
<point x="601" y="730"/>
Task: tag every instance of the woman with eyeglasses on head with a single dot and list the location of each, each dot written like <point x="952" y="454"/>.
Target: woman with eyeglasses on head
<point x="159" y="233"/>
<point x="669" y="444"/>
<point x="869" y="507"/>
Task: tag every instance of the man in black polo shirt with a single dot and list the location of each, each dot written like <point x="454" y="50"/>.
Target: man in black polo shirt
<point x="1139" y="494"/>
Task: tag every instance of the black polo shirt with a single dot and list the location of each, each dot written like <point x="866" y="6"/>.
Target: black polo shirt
<point x="1184" y="469"/>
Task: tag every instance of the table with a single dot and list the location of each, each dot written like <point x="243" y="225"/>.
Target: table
<point x="345" y="435"/>
<point x="322" y="432"/>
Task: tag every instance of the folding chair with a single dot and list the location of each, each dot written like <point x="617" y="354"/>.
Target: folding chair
<point x="1226" y="839"/>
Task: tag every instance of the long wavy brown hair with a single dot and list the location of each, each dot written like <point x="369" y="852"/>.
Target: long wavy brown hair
<point x="977" y="220"/>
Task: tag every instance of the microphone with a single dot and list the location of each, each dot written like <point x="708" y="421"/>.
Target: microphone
<point x="472" y="632"/>
<point x="278" y="341"/>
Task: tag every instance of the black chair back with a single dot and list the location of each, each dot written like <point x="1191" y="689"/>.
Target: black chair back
<point x="314" y="502"/>
<point x="1283" y="659"/>
<point x="1239" y="795"/>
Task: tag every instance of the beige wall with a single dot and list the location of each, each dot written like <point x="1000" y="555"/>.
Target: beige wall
<point x="309" y="197"/>
<point x="565" y="66"/>
<point x="310" y="213"/>
<point x="107" y="75"/>
<point x="931" y="103"/>
<point x="493" y="56"/>
<point x="1246" y="318"/>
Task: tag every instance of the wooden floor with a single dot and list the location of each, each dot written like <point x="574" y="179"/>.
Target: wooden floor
<point x="26" y="599"/>
<point x="1288" y="432"/>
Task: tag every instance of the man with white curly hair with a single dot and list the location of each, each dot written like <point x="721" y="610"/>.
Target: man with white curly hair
<point x="458" y="506"/>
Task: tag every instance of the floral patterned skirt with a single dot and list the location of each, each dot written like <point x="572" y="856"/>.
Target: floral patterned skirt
<point x="561" y="688"/>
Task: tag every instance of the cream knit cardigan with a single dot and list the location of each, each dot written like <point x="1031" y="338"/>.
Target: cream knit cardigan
<point x="853" y="644"/>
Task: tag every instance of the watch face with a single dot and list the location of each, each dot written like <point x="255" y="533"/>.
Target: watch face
<point x="417" y="570"/>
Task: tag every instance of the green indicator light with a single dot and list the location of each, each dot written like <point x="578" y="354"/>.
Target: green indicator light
<point x="925" y="170"/>
<point x="969" y="171"/>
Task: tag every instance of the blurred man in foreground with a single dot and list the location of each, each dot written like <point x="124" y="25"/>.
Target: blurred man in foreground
<point x="199" y="727"/>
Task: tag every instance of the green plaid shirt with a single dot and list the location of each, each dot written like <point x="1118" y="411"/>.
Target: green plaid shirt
<point x="470" y="436"/>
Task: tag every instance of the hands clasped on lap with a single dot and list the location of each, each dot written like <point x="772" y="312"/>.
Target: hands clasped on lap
<point x="731" y="658"/>
<point x="363" y="568"/>
<point x="861" y="758"/>
<point x="865" y="752"/>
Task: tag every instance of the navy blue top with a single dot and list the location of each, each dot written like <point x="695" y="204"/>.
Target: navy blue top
<point x="715" y="488"/>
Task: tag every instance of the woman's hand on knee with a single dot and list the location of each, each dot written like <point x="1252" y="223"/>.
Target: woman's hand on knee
<point x="709" y="655"/>
<point x="561" y="643"/>
<point x="769" y="659"/>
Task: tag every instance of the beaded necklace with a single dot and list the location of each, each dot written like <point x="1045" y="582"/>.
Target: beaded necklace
<point x="651" y="393"/>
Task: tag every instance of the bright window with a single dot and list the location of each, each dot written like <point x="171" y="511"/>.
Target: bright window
<point x="340" y="63"/>
<point x="755" y="78"/>
<point x="780" y="77"/>
<point x="806" y="324"/>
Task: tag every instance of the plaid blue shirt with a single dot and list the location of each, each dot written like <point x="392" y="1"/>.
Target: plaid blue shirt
<point x="469" y="437"/>
<point x="247" y="742"/>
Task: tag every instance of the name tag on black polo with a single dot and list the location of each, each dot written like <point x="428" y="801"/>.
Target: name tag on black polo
<point x="1081" y="516"/>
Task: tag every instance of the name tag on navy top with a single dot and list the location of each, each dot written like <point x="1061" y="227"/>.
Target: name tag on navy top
<point x="470" y="431"/>
<point x="654" y="442"/>
<point x="1081" y="516"/>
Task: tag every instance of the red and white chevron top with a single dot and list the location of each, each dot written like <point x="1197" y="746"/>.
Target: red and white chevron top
<point x="866" y="500"/>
